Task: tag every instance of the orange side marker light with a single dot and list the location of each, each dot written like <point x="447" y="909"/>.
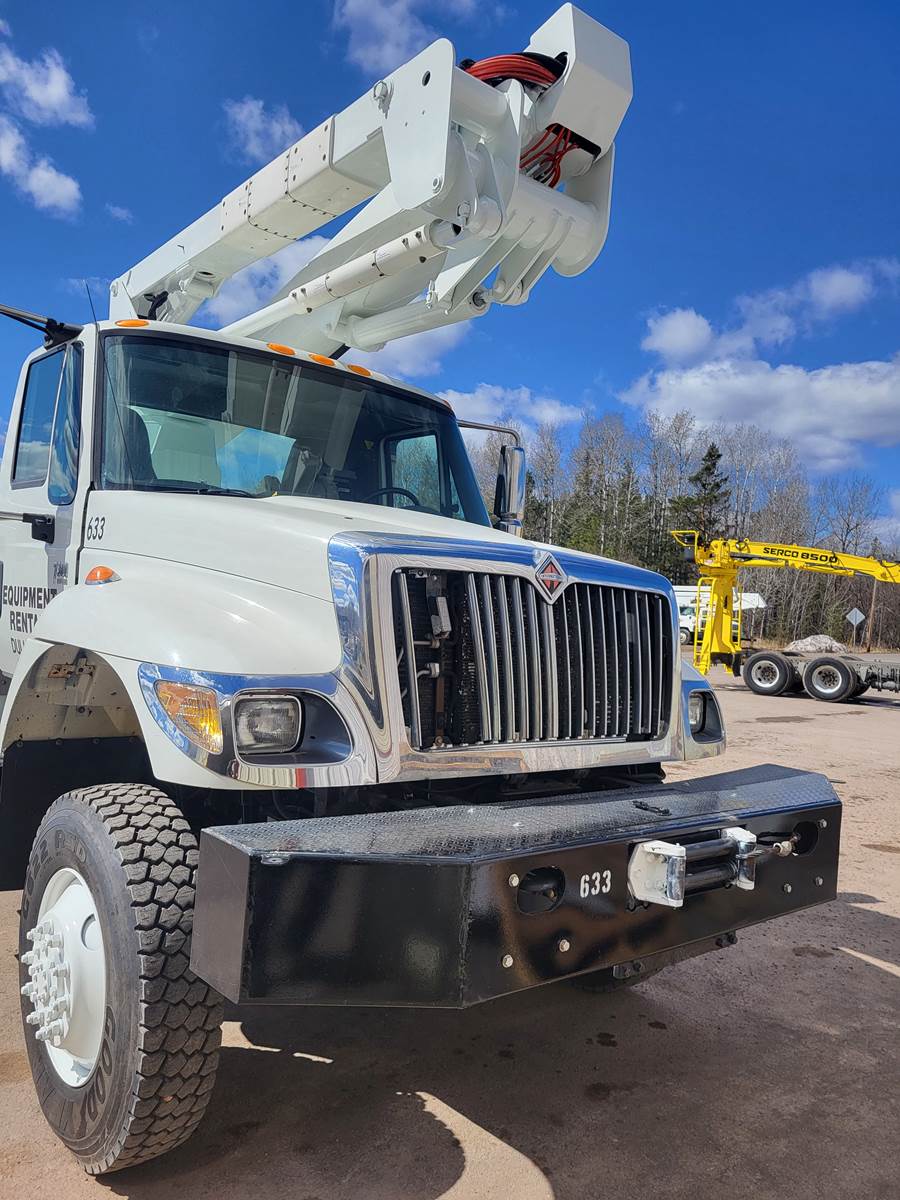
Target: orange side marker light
<point x="101" y="575"/>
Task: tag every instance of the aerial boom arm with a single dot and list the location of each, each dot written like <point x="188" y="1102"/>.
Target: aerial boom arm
<point x="458" y="211"/>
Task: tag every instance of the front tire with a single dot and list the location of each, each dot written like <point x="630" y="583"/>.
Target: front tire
<point x="123" y="1069"/>
<point x="767" y="673"/>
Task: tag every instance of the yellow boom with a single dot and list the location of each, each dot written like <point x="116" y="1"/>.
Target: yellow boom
<point x="719" y="563"/>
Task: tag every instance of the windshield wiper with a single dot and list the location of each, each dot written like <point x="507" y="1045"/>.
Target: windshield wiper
<point x="202" y="489"/>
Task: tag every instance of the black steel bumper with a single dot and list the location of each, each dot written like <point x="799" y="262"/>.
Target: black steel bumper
<point x="451" y="906"/>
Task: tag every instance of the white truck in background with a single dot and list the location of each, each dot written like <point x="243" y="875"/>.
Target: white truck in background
<point x="687" y="602"/>
<point x="287" y="718"/>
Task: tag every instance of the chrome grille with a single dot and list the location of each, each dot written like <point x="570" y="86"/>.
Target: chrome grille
<point x="496" y="663"/>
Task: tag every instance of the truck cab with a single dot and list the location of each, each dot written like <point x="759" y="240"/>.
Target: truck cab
<point x="189" y="501"/>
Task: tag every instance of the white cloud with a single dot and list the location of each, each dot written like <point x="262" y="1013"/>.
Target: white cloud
<point x="97" y="285"/>
<point x="723" y="376"/>
<point x="830" y="412"/>
<point x="887" y="529"/>
<point x="119" y="213"/>
<point x="49" y="189"/>
<point x="412" y="357"/>
<point x="835" y="290"/>
<point x="257" y="134"/>
<point x="494" y="403"/>
<point x="5" y="30"/>
<point x="42" y="90"/>
<point x="383" y="34"/>
<point x="254" y="286"/>
<point x="678" y="336"/>
<point x="771" y="318"/>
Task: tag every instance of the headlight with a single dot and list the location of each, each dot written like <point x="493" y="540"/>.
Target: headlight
<point x="267" y="724"/>
<point x="194" y="711"/>
<point x="696" y="711"/>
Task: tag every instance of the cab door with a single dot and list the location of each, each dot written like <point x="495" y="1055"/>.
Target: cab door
<point x="40" y="520"/>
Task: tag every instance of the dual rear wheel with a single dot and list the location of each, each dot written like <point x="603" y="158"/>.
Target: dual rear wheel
<point x="769" y="673"/>
<point x="832" y="680"/>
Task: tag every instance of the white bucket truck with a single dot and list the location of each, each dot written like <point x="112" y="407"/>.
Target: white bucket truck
<point x="287" y="717"/>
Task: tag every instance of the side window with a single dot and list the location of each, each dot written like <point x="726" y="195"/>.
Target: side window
<point x="36" y="424"/>
<point x="414" y="467"/>
<point x="66" y="433"/>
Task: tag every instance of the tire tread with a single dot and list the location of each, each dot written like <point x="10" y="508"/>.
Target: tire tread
<point x="157" y="851"/>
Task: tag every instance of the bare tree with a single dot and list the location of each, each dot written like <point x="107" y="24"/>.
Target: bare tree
<point x="547" y="481"/>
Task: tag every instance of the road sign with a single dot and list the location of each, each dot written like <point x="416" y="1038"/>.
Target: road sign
<point x="855" y="617"/>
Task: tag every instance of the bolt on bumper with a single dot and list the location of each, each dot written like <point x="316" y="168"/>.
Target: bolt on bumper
<point x="448" y="907"/>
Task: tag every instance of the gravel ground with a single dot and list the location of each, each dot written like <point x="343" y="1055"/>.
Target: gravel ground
<point x="766" y="1070"/>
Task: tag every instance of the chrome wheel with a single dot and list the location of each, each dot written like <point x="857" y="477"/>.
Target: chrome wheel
<point x="827" y="680"/>
<point x="765" y="673"/>
<point x="67" y="977"/>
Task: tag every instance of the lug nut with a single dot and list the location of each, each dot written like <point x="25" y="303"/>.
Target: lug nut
<point x="823" y="824"/>
<point x="507" y="960"/>
<point x="819" y="881"/>
<point x="786" y="887"/>
<point x="564" y="945"/>
<point x="513" y="880"/>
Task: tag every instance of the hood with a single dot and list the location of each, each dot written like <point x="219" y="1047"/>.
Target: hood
<point x="279" y="540"/>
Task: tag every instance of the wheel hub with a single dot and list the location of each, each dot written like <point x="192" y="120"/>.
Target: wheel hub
<point x="827" y="679"/>
<point x="67" y="976"/>
<point x="764" y="674"/>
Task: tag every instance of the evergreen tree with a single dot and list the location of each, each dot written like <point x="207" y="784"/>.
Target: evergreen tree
<point x="705" y="507"/>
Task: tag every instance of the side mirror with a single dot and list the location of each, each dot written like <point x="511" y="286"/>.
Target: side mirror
<point x="509" y="498"/>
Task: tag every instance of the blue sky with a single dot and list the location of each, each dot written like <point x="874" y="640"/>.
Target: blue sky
<point x="752" y="270"/>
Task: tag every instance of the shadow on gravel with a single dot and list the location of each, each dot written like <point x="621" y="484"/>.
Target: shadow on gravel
<point x="556" y="1093"/>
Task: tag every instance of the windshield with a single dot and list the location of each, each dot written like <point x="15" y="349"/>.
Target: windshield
<point x="182" y="415"/>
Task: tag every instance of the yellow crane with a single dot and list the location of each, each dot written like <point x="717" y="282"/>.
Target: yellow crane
<point x="717" y="634"/>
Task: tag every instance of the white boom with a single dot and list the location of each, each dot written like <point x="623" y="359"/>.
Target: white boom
<point x="461" y="212"/>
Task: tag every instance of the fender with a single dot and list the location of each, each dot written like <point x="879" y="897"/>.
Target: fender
<point x="184" y="616"/>
<point x="165" y="614"/>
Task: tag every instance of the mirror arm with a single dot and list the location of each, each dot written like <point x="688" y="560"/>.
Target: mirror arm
<point x="504" y="429"/>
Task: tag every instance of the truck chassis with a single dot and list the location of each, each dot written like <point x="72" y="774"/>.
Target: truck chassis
<point x="829" y="677"/>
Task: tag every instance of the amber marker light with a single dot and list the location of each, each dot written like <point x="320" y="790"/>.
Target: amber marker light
<point x="193" y="710"/>
<point x="320" y="358"/>
<point x="132" y="323"/>
<point x="101" y="575"/>
<point x="358" y="369"/>
<point x="279" y="349"/>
